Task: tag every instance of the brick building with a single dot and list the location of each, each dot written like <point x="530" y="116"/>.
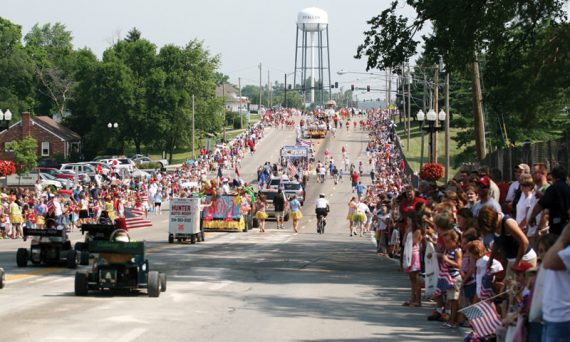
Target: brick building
<point x="52" y="137"/>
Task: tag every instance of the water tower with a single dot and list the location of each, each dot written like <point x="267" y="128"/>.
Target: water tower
<point x="312" y="49"/>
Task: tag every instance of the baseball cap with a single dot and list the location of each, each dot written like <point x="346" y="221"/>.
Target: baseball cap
<point x="484" y="182"/>
<point x="524" y="167"/>
<point x="523" y="266"/>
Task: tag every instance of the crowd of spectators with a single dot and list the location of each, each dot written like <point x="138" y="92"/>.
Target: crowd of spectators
<point x="478" y="239"/>
<point x="112" y="195"/>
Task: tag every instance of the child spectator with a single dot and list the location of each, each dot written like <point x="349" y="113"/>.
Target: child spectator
<point x="414" y="231"/>
<point x="452" y="258"/>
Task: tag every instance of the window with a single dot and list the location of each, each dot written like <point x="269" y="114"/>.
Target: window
<point x="45" y="148"/>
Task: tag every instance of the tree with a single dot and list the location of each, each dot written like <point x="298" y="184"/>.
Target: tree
<point x="134" y="62"/>
<point x="25" y="156"/>
<point x="16" y="71"/>
<point x="51" y="49"/>
<point x="462" y="32"/>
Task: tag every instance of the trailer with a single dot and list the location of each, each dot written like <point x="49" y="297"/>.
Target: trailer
<point x="184" y="223"/>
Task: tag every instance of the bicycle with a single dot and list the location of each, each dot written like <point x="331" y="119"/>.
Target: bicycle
<point x="321" y="223"/>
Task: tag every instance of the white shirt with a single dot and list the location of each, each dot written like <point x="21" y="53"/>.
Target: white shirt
<point x="362" y="208"/>
<point x="556" y="299"/>
<point x="523" y="205"/>
<point x="322" y="203"/>
<point x="481" y="269"/>
<point x="57" y="211"/>
<point x="512" y="189"/>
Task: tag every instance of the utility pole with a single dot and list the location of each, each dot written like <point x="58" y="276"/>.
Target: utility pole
<point x="421" y="124"/>
<point x="447" y="126"/>
<point x="270" y="99"/>
<point x="478" y="112"/>
<point x="386" y="93"/>
<point x="193" y="130"/>
<point x="389" y="90"/>
<point x="239" y="107"/>
<point x="260" y="89"/>
<point x="409" y="105"/>
<point x="285" y="104"/>
<point x="436" y="109"/>
<point x="403" y="81"/>
<point x="224" y="99"/>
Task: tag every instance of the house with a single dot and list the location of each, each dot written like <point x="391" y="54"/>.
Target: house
<point x="53" y="138"/>
<point x="232" y="98"/>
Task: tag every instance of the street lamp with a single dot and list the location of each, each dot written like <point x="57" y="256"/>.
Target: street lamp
<point x="113" y="127"/>
<point x="431" y="118"/>
<point x="5" y="119"/>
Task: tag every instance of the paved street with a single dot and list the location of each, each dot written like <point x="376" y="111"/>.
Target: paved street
<point x="272" y="286"/>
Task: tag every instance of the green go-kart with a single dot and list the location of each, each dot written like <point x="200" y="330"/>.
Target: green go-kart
<point x="119" y="265"/>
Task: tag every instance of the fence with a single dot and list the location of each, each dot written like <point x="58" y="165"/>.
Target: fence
<point x="552" y="153"/>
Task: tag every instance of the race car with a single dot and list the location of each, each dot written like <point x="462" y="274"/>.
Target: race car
<point x="2" y="278"/>
<point x="49" y="246"/>
<point x="120" y="264"/>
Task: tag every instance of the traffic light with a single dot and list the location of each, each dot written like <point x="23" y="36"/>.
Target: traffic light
<point x="352" y="87"/>
<point x="336" y="84"/>
<point x="368" y="88"/>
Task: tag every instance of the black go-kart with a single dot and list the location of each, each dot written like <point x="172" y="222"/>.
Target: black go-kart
<point x="2" y="278"/>
<point x="119" y="266"/>
<point x="49" y="246"/>
<point x="92" y="232"/>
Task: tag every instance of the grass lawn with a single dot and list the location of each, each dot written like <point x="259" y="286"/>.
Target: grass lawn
<point x="413" y="152"/>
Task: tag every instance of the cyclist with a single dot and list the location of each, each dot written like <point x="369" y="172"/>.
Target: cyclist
<point x="322" y="209"/>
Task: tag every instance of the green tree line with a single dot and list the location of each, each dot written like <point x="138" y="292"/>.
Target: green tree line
<point x="521" y="48"/>
<point x="148" y="91"/>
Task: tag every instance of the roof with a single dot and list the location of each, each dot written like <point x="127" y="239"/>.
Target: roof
<point x="225" y="89"/>
<point x="56" y="128"/>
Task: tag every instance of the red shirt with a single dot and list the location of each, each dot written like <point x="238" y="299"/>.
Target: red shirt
<point x="407" y="207"/>
<point x="355" y="177"/>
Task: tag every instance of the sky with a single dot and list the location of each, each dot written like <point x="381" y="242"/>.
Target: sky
<point x="244" y="33"/>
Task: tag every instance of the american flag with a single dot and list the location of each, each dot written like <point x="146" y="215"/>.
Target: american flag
<point x="134" y="218"/>
<point x="483" y="318"/>
<point x="292" y="170"/>
<point x="487" y="286"/>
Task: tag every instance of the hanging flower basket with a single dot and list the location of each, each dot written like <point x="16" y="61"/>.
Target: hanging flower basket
<point x="7" y="168"/>
<point x="432" y="172"/>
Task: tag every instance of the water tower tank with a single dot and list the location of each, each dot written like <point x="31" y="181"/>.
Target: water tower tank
<point x="314" y="19"/>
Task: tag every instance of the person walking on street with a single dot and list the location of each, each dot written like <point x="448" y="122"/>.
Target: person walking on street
<point x="260" y="212"/>
<point x="352" y="204"/>
<point x="354" y="177"/>
<point x="279" y="205"/>
<point x="296" y="214"/>
<point x="360" y="188"/>
<point x="360" y="216"/>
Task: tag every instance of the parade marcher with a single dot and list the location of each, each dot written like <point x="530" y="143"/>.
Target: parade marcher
<point x="296" y="214"/>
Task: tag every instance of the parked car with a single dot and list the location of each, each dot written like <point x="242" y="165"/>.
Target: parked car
<point x="56" y="173"/>
<point x="135" y="156"/>
<point x="49" y="180"/>
<point x="146" y="160"/>
<point x="270" y="210"/>
<point x="79" y="168"/>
